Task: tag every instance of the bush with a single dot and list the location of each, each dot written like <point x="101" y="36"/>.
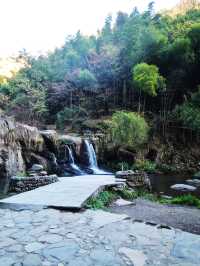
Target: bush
<point x="165" y="168"/>
<point x="129" y="129"/>
<point x="145" y="165"/>
<point x="102" y="200"/>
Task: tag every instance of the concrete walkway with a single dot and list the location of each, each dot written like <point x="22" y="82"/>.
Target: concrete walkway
<point x="69" y="192"/>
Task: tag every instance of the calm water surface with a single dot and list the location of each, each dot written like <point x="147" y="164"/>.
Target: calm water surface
<point x="162" y="183"/>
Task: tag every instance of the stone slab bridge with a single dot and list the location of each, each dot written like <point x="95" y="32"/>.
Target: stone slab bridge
<point x="68" y="192"/>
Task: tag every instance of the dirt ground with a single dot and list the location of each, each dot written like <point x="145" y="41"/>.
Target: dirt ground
<point x="180" y="217"/>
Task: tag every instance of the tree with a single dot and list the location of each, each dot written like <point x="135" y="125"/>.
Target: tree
<point x="147" y="79"/>
<point x="83" y="78"/>
<point x="129" y="129"/>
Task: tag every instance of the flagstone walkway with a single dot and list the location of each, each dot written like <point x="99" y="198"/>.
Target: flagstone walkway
<point x="49" y="237"/>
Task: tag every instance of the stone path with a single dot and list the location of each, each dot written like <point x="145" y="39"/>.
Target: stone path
<point x="49" y="237"/>
<point x="69" y="192"/>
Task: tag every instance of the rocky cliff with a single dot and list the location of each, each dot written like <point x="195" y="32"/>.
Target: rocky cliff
<point x="20" y="146"/>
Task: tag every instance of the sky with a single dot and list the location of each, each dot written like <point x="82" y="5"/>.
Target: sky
<point x="41" y="25"/>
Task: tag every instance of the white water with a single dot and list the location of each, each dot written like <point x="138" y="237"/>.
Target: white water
<point x="93" y="165"/>
<point x="91" y="154"/>
<point x="72" y="162"/>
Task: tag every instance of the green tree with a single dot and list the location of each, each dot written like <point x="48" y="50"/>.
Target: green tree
<point x="129" y="129"/>
<point x="148" y="80"/>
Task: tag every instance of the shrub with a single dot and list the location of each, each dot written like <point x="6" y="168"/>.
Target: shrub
<point x="102" y="200"/>
<point x="145" y="165"/>
<point x="128" y="129"/>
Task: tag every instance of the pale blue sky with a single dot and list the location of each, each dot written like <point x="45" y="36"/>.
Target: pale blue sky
<point x="41" y="25"/>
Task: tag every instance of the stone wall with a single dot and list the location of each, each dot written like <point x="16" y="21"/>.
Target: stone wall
<point x="22" y="184"/>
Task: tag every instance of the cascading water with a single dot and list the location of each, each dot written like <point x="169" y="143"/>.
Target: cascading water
<point x="75" y="168"/>
<point x="91" y="155"/>
<point x="87" y="158"/>
<point x="92" y="159"/>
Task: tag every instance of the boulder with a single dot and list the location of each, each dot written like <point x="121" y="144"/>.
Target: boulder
<point x="37" y="168"/>
<point x="195" y="182"/>
<point x="183" y="187"/>
<point x="137" y="179"/>
<point x="125" y="174"/>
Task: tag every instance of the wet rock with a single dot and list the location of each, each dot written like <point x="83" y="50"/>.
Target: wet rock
<point x="195" y="182"/>
<point x="37" y="168"/>
<point x="183" y="187"/>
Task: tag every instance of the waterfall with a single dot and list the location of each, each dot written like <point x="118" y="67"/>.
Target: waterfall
<point x="75" y="168"/>
<point x="87" y="159"/>
<point x="70" y="155"/>
<point x="92" y="159"/>
<point x="91" y="155"/>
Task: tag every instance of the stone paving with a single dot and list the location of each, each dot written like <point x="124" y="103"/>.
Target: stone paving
<point x="92" y="238"/>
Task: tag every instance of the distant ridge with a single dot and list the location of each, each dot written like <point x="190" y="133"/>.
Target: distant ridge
<point x="183" y="6"/>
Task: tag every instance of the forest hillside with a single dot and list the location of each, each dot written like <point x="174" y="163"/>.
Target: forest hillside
<point x="141" y="62"/>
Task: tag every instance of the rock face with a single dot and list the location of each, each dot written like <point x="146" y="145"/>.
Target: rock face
<point x="20" y="147"/>
<point x="11" y="160"/>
